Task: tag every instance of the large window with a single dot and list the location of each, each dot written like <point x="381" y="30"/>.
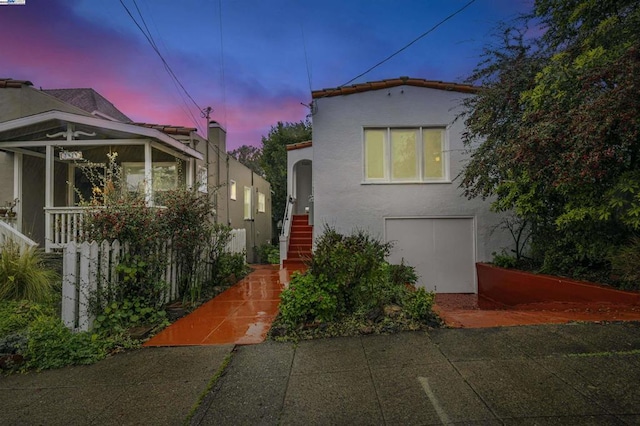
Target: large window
<point x="405" y="155"/>
<point x="262" y="203"/>
<point x="165" y="176"/>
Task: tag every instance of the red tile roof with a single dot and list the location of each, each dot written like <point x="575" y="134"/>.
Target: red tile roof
<point x="13" y="84"/>
<point x="386" y="84"/>
<point x="170" y="130"/>
<point x="298" y="145"/>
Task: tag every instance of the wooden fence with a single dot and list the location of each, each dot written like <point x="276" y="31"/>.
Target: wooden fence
<point x="90" y="271"/>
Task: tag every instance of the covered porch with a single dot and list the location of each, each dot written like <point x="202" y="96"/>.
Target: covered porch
<point x="60" y="163"/>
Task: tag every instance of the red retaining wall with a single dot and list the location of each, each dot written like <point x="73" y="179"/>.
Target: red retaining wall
<point x="510" y="287"/>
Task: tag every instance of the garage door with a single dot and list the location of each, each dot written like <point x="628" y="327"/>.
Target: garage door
<point x="441" y="249"/>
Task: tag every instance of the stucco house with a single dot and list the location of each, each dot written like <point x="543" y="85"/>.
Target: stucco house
<point x="46" y="135"/>
<point x="384" y="158"/>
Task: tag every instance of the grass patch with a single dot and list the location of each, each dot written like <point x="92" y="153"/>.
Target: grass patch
<point x="210" y="385"/>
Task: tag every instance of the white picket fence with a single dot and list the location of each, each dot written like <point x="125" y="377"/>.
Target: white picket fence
<point x="89" y="270"/>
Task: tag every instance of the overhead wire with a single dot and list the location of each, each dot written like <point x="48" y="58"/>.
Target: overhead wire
<point x="430" y="30"/>
<point x="172" y="74"/>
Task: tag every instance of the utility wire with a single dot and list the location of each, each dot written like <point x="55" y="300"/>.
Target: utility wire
<point x="409" y="44"/>
<point x="185" y="105"/>
<point x="155" y="48"/>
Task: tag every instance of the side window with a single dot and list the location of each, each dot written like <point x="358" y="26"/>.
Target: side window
<point x="247" y="203"/>
<point x="232" y="190"/>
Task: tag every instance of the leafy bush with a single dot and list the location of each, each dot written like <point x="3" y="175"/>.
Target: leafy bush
<point x="23" y="275"/>
<point x="52" y="345"/>
<point x="17" y="315"/>
<point x="349" y="278"/>
<point x="352" y="262"/>
<point x="626" y="264"/>
<point x="229" y="264"/>
<point x="307" y="299"/>
<point x="118" y="316"/>
<point x="419" y="304"/>
<point x="504" y="261"/>
<point x="268" y="253"/>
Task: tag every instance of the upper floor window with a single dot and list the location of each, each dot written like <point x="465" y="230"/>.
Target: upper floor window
<point x="232" y="189"/>
<point x="405" y="155"/>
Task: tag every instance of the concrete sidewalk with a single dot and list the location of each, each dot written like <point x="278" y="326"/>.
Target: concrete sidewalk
<point x="549" y="374"/>
<point x="586" y="374"/>
<point x="149" y="386"/>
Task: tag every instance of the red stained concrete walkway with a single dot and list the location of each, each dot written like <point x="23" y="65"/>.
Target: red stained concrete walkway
<point x="241" y="315"/>
<point x="462" y="311"/>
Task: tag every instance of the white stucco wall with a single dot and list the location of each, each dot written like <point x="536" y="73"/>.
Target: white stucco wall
<point x="342" y="199"/>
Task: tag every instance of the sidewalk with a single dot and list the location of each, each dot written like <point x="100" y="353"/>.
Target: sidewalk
<point x="582" y="374"/>
<point x="586" y="374"/>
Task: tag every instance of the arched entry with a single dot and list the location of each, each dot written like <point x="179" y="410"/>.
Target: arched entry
<point x="302" y="186"/>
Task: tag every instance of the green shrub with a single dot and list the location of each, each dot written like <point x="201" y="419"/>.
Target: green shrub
<point x="52" y="345"/>
<point x="348" y="277"/>
<point x="419" y="304"/>
<point x="118" y="316"/>
<point x="352" y="262"/>
<point x="17" y="315"/>
<point x="626" y="264"/>
<point x="23" y="275"/>
<point x="268" y="253"/>
<point x="504" y="261"/>
<point x="307" y="299"/>
<point x="403" y="274"/>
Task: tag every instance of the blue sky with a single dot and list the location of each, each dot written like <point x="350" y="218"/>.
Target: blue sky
<point x="252" y="61"/>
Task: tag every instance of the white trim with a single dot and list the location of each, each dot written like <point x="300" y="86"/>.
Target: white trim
<point x="99" y="123"/>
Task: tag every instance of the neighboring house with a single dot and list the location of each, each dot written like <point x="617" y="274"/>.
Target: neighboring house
<point x="46" y="134"/>
<point x="383" y="158"/>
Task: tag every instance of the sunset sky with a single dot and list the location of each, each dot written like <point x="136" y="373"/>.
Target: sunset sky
<point x="253" y="61"/>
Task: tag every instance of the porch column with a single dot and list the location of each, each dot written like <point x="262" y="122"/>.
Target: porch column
<point x="48" y="193"/>
<point x="148" y="174"/>
<point x="17" y="188"/>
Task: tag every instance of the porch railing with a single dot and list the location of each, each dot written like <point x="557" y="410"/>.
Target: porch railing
<point x="286" y="229"/>
<point x="8" y="233"/>
<point x="63" y="225"/>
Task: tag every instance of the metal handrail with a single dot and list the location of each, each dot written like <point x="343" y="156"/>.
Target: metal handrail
<point x="286" y="228"/>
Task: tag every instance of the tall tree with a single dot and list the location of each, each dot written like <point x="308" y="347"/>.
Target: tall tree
<point x="555" y="129"/>
<point x="274" y="159"/>
<point x="250" y="156"/>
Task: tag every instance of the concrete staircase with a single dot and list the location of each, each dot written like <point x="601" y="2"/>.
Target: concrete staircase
<point x="300" y="241"/>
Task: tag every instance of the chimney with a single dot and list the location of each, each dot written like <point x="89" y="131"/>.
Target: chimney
<point x="217" y="136"/>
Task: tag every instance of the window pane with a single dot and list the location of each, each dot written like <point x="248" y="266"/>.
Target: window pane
<point x="232" y="189"/>
<point x="374" y="154"/>
<point x="165" y="177"/>
<point x="247" y="203"/>
<point x="404" y="165"/>
<point x="262" y="204"/>
<point x="433" y="155"/>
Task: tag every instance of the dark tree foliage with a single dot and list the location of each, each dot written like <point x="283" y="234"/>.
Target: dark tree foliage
<point x="274" y="159"/>
<point x="555" y="130"/>
<point x="250" y="156"/>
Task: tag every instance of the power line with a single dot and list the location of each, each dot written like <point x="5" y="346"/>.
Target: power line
<point x="409" y="44"/>
<point x="155" y="48"/>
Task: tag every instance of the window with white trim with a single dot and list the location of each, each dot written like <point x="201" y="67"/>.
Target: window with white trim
<point x="202" y="180"/>
<point x="165" y="176"/>
<point x="262" y="203"/>
<point x="405" y="155"/>
<point x="247" y="203"/>
<point x="232" y="189"/>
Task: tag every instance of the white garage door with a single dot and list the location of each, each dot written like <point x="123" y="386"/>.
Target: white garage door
<point x="442" y="250"/>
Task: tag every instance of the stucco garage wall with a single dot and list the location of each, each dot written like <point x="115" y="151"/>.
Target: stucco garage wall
<point x="343" y="200"/>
